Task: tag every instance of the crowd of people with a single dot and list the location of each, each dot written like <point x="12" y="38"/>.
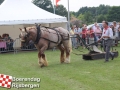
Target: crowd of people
<point x="93" y="34"/>
<point x="9" y="41"/>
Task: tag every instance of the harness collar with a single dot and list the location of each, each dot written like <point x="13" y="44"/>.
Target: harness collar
<point x="38" y="34"/>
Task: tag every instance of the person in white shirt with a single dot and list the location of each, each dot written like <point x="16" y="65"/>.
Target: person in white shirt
<point x="95" y="26"/>
<point x="98" y="32"/>
<point x="78" y="31"/>
<point x="94" y="29"/>
<point x="115" y="28"/>
<point x="107" y="36"/>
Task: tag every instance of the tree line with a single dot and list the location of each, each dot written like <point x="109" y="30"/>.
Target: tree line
<point x="98" y="14"/>
<point x="47" y="5"/>
<point x="85" y="14"/>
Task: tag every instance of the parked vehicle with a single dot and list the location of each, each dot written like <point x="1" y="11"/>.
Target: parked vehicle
<point x="100" y="24"/>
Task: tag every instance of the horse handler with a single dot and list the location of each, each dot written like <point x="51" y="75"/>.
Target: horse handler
<point x="107" y="36"/>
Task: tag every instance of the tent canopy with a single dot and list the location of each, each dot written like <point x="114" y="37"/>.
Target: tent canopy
<point x="24" y="12"/>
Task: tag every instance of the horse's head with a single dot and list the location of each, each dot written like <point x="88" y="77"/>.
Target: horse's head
<point x="24" y="35"/>
<point x="29" y="33"/>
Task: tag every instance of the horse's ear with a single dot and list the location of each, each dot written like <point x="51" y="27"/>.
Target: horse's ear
<point x="25" y="29"/>
<point x="20" y="29"/>
<point x="39" y="25"/>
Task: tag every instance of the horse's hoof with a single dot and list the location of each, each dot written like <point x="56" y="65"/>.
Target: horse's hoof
<point x="62" y="62"/>
<point x="67" y="62"/>
<point x="42" y="65"/>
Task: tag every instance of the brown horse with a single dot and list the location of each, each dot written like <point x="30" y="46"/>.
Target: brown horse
<point x="46" y="38"/>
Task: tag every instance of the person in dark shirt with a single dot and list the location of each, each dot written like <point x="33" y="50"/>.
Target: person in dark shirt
<point x="9" y="41"/>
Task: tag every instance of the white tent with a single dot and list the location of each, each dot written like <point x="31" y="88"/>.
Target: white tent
<point x="20" y="13"/>
<point x="24" y="12"/>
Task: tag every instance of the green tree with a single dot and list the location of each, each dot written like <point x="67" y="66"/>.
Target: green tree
<point x="101" y="18"/>
<point x="1" y="1"/>
<point x="88" y="17"/>
<point x="114" y="14"/>
<point x="61" y="10"/>
<point x="102" y="9"/>
<point x="73" y="13"/>
<point x="94" y="12"/>
<point x="44" y="4"/>
<point x="81" y="17"/>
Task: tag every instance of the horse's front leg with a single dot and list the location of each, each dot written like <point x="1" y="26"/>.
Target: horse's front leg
<point x="42" y="61"/>
<point x="62" y="57"/>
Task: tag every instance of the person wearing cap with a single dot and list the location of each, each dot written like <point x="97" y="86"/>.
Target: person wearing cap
<point x="107" y="36"/>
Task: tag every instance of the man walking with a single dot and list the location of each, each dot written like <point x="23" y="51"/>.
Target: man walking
<point x="107" y="36"/>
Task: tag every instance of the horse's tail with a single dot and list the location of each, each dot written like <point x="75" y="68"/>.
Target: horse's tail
<point x="70" y="44"/>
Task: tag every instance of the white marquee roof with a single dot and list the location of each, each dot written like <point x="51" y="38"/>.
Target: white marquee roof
<point x="25" y="12"/>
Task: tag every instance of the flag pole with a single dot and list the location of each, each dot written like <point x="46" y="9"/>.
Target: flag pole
<point x="54" y="6"/>
<point x="68" y="17"/>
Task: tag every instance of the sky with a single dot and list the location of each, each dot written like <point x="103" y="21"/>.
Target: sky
<point x="75" y="5"/>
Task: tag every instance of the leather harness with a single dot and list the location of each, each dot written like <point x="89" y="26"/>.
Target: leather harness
<point x="39" y="36"/>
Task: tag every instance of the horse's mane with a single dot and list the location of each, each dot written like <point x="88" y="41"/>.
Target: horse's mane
<point x="41" y="27"/>
<point x="48" y="27"/>
<point x="29" y="28"/>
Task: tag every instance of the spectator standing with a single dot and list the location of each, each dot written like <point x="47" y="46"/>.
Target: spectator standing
<point x="0" y="37"/>
<point x="73" y="39"/>
<point x="112" y="27"/>
<point x="91" y="36"/>
<point x="87" y="35"/>
<point x="97" y="32"/>
<point x="77" y="31"/>
<point x="84" y="32"/>
<point x="119" y="24"/>
<point x="94" y="28"/>
<point x="9" y="41"/>
<point x="116" y="32"/>
<point x="119" y="33"/>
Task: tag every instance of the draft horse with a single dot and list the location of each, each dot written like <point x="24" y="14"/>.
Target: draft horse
<point x="45" y="38"/>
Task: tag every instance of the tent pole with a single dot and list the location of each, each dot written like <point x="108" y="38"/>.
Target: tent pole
<point x="68" y="17"/>
<point x="54" y="6"/>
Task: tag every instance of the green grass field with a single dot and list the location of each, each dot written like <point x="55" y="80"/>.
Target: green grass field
<point x="78" y="75"/>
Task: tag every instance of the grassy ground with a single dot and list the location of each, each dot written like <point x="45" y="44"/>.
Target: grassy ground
<point x="78" y="75"/>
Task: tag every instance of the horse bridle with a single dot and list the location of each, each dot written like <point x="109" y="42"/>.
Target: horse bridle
<point x="27" y="34"/>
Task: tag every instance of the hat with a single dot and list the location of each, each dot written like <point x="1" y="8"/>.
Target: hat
<point x="114" y="22"/>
